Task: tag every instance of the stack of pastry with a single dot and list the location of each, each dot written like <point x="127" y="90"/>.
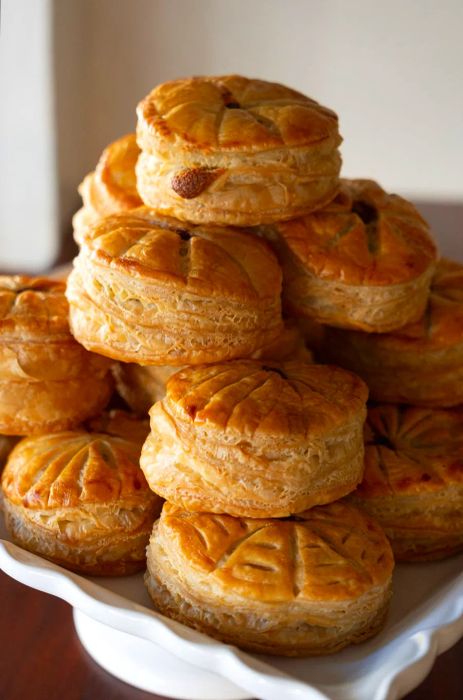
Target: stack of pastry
<point x="71" y="491"/>
<point x="209" y="244"/>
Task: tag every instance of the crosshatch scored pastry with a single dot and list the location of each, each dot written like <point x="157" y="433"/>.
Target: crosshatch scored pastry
<point x="364" y="261"/>
<point x="112" y="187"/>
<point x="233" y="150"/>
<point x="80" y="500"/>
<point x="310" y="584"/>
<point x="420" y="364"/>
<point x="150" y="290"/>
<point x="257" y="440"/>
<point x="47" y="381"/>
<point x="141" y="387"/>
<point x="413" y="482"/>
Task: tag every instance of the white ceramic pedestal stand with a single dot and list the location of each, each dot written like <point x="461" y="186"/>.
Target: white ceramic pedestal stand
<point x="146" y="666"/>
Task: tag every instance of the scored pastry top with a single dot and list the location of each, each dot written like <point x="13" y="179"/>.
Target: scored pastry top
<point x="208" y="260"/>
<point x="75" y="468"/>
<point x="328" y="553"/>
<point x="411" y="451"/>
<point x="289" y="399"/>
<point x="32" y="307"/>
<point x="363" y="237"/>
<point x="232" y="113"/>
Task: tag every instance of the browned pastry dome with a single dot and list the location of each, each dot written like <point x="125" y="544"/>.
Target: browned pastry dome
<point x="80" y="500"/>
<point x="232" y="150"/>
<point x="309" y="584"/>
<point x="420" y="364"/>
<point x="141" y="387"/>
<point x="413" y="481"/>
<point x="47" y="381"/>
<point x="363" y="261"/>
<point x="112" y="187"/>
<point x="150" y="290"/>
<point x="256" y="440"/>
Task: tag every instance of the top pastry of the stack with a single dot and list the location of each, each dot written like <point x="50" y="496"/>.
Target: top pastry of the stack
<point x="223" y="152"/>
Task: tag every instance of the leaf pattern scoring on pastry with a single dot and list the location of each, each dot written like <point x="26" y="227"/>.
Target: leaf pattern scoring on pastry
<point x="72" y="468"/>
<point x="326" y="553"/>
<point x="411" y="450"/>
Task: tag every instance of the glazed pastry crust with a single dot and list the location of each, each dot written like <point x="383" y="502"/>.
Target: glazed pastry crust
<point x="47" y="380"/>
<point x="232" y="150"/>
<point x="413" y="481"/>
<point x="425" y="358"/>
<point x="256" y="440"/>
<point x="141" y="387"/>
<point x="305" y="585"/>
<point x="149" y="290"/>
<point x="364" y="261"/>
<point x="111" y="188"/>
<point x="122" y="424"/>
<point x="81" y="500"/>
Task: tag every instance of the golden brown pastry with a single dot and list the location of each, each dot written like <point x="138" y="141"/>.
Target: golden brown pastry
<point x="80" y="500"/>
<point x="231" y="150"/>
<point x="256" y="440"/>
<point x="112" y="187"/>
<point x="413" y="482"/>
<point x="141" y="387"/>
<point x="120" y="424"/>
<point x="48" y="381"/>
<point x="309" y="584"/>
<point x="364" y="261"/>
<point x="150" y="290"/>
<point x="420" y="364"/>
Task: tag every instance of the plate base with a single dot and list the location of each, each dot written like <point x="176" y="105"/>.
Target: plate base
<point x="146" y="666"/>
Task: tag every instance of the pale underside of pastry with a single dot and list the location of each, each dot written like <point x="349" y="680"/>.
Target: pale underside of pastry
<point x="111" y="188"/>
<point x="151" y="291"/>
<point x="255" y="440"/>
<point x="421" y="363"/>
<point x="413" y="481"/>
<point x="47" y="381"/>
<point x="231" y="150"/>
<point x="364" y="261"/>
<point x="141" y="387"/>
<point x="301" y="586"/>
<point x="80" y="500"/>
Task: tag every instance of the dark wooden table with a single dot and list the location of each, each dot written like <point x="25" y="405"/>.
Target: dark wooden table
<point x="41" y="657"/>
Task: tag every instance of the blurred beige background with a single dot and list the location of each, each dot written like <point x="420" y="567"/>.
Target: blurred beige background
<point x="72" y="72"/>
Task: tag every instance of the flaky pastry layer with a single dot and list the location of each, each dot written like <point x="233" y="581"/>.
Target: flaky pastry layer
<point x="364" y="261"/>
<point x="413" y="481"/>
<point x="255" y="440"/>
<point x="232" y="150"/>
<point x="149" y="290"/>
<point x="419" y="364"/>
<point x="300" y="586"/>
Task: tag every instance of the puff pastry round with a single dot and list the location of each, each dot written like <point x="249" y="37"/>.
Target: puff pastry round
<point x="141" y="387"/>
<point x="112" y="187"/>
<point x="413" y="482"/>
<point x="48" y="381"/>
<point x="256" y="440"/>
<point x="232" y="150"/>
<point x="364" y="261"/>
<point x="305" y="585"/>
<point x="80" y="500"/>
<point x="150" y="290"/>
<point x="420" y="364"/>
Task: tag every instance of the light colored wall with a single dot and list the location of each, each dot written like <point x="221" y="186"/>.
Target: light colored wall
<point x="392" y="71"/>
